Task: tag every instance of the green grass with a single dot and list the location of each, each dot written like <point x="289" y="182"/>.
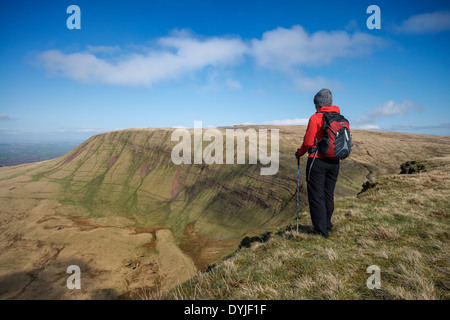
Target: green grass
<point x="401" y="225"/>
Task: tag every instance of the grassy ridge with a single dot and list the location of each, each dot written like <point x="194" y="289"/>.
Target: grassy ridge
<point x="401" y="225"/>
<point x="130" y="173"/>
<point x="118" y="189"/>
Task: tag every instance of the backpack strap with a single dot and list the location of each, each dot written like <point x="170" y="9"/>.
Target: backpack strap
<point x="315" y="148"/>
<point x="326" y="123"/>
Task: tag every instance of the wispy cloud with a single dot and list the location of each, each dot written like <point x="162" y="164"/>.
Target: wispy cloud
<point x="288" y="122"/>
<point x="425" y="23"/>
<point x="103" y="49"/>
<point x="233" y="84"/>
<point x="82" y="130"/>
<point x="368" y="127"/>
<point x="423" y="127"/>
<point x="4" y="116"/>
<point x="403" y="128"/>
<point x="310" y="85"/>
<point x="390" y="108"/>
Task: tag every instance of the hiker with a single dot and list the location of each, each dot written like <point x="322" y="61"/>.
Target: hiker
<point x="322" y="168"/>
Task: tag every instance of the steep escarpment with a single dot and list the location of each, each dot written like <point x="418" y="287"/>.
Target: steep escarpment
<point x="130" y="173"/>
<point x="103" y="205"/>
<point x="399" y="225"/>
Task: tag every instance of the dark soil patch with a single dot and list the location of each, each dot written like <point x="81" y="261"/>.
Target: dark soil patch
<point x="410" y="167"/>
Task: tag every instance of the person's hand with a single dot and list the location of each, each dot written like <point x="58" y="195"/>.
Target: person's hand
<point x="296" y="154"/>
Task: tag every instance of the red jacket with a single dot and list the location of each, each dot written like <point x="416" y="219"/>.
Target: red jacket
<point x="315" y="130"/>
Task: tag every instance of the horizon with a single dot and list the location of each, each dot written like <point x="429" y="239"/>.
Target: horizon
<point x="166" y="64"/>
<point x="32" y="139"/>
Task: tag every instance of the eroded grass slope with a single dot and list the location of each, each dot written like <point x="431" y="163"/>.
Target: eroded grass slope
<point x="401" y="225"/>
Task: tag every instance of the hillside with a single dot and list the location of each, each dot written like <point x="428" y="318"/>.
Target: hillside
<point x="118" y="207"/>
<point x="401" y="225"/>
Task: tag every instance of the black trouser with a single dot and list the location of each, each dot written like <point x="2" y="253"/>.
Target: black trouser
<point x="321" y="182"/>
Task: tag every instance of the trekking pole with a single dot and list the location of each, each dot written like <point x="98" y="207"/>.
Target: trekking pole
<point x="298" y="189"/>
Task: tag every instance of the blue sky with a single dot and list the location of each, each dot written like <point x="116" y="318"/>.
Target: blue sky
<point x="168" y="63"/>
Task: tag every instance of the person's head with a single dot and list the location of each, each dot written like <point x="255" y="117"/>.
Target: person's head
<point x="323" y="98"/>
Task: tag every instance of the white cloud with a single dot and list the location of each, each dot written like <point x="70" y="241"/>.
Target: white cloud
<point x="390" y="108"/>
<point x="369" y="127"/>
<point x="425" y="23"/>
<point x="182" y="53"/>
<point x="177" y="56"/>
<point x="284" y="48"/>
<point x="288" y="122"/>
